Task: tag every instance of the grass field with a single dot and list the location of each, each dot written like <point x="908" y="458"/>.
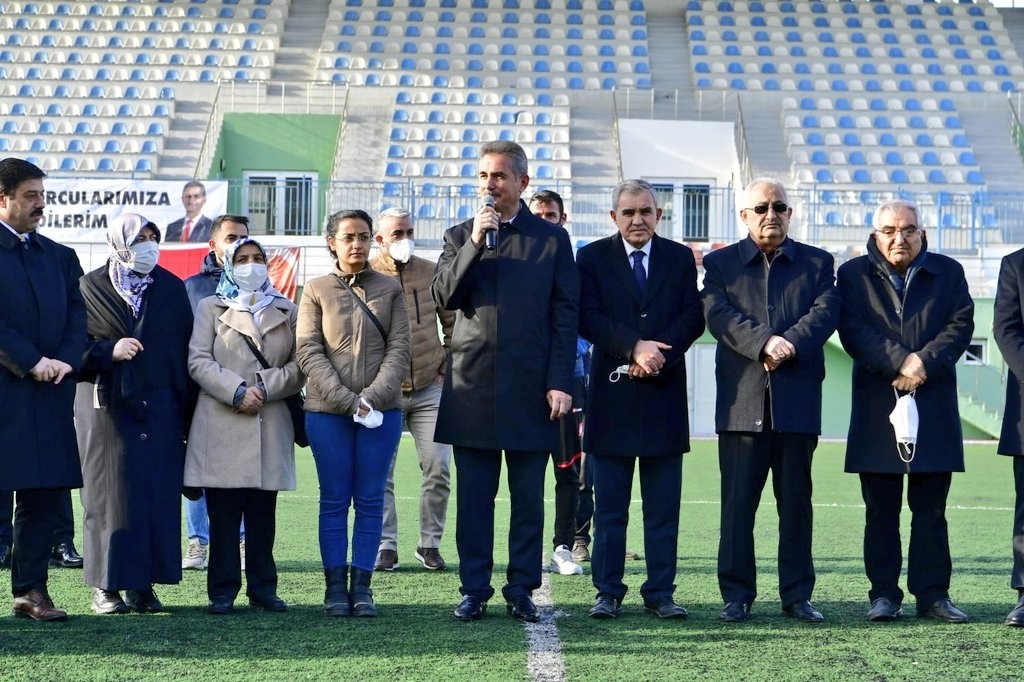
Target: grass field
<point x="416" y="638"/>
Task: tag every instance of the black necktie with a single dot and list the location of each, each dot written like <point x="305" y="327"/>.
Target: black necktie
<point x="638" y="270"/>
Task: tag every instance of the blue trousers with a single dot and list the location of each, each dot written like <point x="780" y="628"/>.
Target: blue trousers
<point x="352" y="465"/>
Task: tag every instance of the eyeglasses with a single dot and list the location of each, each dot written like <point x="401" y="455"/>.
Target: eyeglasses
<point x="890" y="232"/>
<point x="777" y="206"/>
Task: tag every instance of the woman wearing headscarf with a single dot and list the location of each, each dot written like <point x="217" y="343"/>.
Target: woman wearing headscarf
<point x="353" y="345"/>
<point x="240" y="446"/>
<point x="131" y="410"/>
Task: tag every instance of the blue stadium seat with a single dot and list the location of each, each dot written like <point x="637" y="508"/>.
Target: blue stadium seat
<point x="923" y="140"/>
<point x="917" y="123"/>
<point x="967" y="159"/>
<point x="887" y="140"/>
<point x="856" y="158"/>
<point x="851" y="140"/>
<point x="823" y="175"/>
<point x="974" y="177"/>
<point x="898" y="175"/>
<point x="893" y="158"/>
<point x="936" y="176"/>
<point x="819" y="158"/>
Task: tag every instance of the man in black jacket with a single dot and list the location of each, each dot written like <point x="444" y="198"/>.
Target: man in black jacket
<point x="772" y="304"/>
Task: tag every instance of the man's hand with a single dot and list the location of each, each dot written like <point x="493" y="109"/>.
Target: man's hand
<point x="647" y="354"/>
<point x="61" y="368"/>
<point x="560" y="403"/>
<point x="126" y="349"/>
<point x="638" y="372"/>
<point x="43" y="370"/>
<point x="486" y="219"/>
<point x="911" y="374"/>
<point x="776" y="351"/>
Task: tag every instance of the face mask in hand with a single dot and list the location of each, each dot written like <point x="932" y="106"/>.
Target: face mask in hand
<point x="904" y="420"/>
<point x="144" y="257"/>
<point x="402" y="250"/>
<point x="250" y="276"/>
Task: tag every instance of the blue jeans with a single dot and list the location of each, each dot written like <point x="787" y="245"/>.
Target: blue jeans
<point x="197" y="521"/>
<point x="352" y="465"/>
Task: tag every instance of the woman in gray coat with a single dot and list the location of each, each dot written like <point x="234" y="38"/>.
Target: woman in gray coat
<point x="240" y="446"/>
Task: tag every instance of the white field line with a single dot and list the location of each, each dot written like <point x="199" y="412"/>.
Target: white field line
<point x="544" y="662"/>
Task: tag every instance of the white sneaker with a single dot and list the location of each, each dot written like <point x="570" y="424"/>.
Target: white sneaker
<point x="561" y="561"/>
<point x="241" y="551"/>
<point x="195" y="556"/>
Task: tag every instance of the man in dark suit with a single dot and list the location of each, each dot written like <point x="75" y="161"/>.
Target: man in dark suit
<point x="510" y="373"/>
<point x="640" y="308"/>
<point x="194" y="227"/>
<point x="771" y="303"/>
<point x="1008" y="325"/>
<point x="42" y="340"/>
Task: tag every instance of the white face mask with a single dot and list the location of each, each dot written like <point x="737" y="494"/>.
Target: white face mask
<point x="905" y="421"/>
<point x="250" y="276"/>
<point x="144" y="257"/>
<point x="402" y="250"/>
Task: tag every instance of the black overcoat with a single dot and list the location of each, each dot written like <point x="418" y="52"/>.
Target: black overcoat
<point x="1008" y="328"/>
<point x="638" y="417"/>
<point x="42" y="316"/>
<point x="935" y="319"/>
<point x="514" y="336"/>
<point x="745" y="303"/>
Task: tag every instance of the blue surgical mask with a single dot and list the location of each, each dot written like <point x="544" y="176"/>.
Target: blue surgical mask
<point x="144" y="257"/>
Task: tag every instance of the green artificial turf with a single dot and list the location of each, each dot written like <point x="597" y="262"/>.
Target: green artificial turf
<point x="416" y="638"/>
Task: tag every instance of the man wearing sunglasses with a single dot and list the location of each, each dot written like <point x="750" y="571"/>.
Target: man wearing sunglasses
<point x="772" y="304"/>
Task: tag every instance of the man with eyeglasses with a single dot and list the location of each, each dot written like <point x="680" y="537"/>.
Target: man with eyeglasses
<point x="907" y="317"/>
<point x="771" y="303"/>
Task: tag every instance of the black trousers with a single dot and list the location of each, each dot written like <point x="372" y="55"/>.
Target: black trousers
<point x="1017" y="577"/>
<point x="35" y="517"/>
<point x="227" y="507"/>
<point x="64" y="529"/>
<point x="928" y="564"/>
<point x="477" y="485"/>
<point x="567" y="500"/>
<point x="745" y="460"/>
<point x="661" y="481"/>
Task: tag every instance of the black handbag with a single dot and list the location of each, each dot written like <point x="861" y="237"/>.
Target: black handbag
<point x="294" y="402"/>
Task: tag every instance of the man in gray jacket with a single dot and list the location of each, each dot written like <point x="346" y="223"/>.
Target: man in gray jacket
<point x="421" y="391"/>
<point x="772" y="304"/>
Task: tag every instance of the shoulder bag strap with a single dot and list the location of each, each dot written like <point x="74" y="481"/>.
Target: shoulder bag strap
<point x="366" y="308"/>
<point x="256" y="351"/>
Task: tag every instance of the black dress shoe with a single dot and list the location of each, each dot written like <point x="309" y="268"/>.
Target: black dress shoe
<point x="5" y="555"/>
<point x="220" y="606"/>
<point x="268" y="602"/>
<point x="65" y="555"/>
<point x="884" y="611"/>
<point x="471" y="608"/>
<point x="143" y="601"/>
<point x="803" y="610"/>
<point x="605" y="607"/>
<point x="522" y="608"/>
<point x="944" y="610"/>
<point x="1016" y="617"/>
<point x="735" y="612"/>
<point x="107" y="602"/>
<point x="665" y="608"/>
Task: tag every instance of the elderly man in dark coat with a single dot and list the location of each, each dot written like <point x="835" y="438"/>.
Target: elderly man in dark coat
<point x="510" y="373"/>
<point x="771" y="303"/>
<point x="42" y="337"/>
<point x="1008" y="325"/>
<point x="907" y="317"/>
<point x="638" y="414"/>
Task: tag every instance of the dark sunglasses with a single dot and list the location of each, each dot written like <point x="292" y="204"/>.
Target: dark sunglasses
<point x="777" y="206"/>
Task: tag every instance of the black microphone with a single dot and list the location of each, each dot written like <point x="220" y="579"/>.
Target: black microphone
<point x="491" y="236"/>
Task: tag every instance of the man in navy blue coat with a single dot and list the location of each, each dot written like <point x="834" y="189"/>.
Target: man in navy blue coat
<point x="510" y="374"/>
<point x="42" y="339"/>
<point x="640" y="308"/>
<point x="772" y="304"/>
<point x="1008" y="325"/>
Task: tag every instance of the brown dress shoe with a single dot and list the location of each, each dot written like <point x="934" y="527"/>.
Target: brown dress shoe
<point x="37" y="605"/>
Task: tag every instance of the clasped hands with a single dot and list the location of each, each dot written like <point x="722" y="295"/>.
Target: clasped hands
<point x="647" y="359"/>
<point x="776" y="351"/>
<point x="911" y="374"/>
<point x="49" y="369"/>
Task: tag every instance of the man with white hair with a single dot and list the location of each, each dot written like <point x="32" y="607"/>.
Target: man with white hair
<point x="421" y="391"/>
<point x="771" y="303"/>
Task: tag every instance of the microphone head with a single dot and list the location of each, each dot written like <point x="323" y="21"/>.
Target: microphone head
<point x="488" y="200"/>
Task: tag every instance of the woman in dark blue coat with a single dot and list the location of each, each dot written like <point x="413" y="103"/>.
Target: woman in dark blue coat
<point x="132" y="410"/>
<point x="907" y="318"/>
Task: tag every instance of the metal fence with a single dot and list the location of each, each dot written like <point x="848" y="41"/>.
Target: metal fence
<point x="957" y="223"/>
